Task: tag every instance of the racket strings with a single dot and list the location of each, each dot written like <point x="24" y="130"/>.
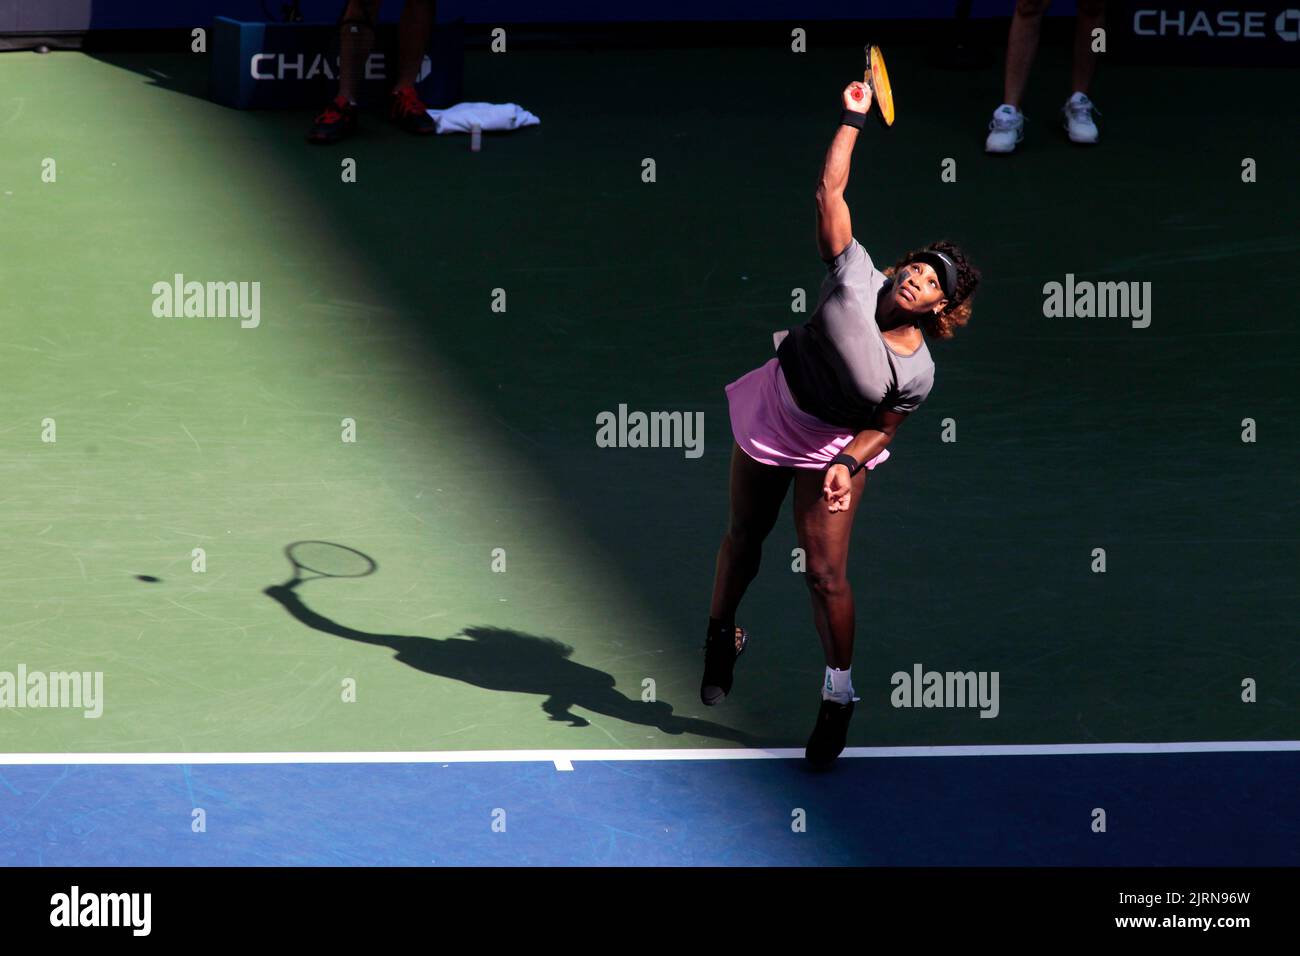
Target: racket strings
<point x="330" y="560"/>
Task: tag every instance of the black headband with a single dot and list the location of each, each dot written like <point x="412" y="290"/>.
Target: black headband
<point x="943" y="267"/>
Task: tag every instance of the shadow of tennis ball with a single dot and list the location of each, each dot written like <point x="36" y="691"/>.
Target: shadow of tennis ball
<point x="147" y="577"/>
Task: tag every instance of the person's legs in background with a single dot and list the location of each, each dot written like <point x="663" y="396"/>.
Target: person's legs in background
<point x="1022" y="45"/>
<point x="414" y="30"/>
<point x="405" y="106"/>
<point x="1078" y="109"/>
<point x="356" y="40"/>
<point x="1007" y="126"/>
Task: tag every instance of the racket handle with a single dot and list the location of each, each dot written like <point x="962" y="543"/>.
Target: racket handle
<point x="857" y="94"/>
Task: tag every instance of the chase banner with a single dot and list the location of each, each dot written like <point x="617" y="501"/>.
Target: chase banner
<point x="1206" y="34"/>
<point x="295" y="65"/>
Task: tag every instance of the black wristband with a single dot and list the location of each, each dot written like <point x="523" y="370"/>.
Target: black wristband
<point x="850" y="118"/>
<point x="852" y="463"/>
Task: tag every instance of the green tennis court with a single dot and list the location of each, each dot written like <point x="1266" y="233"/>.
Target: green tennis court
<point x="475" y="428"/>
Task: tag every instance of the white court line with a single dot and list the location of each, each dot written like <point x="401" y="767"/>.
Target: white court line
<point x="560" y="757"/>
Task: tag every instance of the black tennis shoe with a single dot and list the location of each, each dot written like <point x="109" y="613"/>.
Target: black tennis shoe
<point x="720" y="654"/>
<point x="407" y="111"/>
<point x="828" y="737"/>
<point x="337" y="121"/>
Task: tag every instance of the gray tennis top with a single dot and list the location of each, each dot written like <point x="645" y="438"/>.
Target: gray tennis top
<point x="837" y="364"/>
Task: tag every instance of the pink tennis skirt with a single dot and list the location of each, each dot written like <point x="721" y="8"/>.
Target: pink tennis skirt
<point x="773" y="430"/>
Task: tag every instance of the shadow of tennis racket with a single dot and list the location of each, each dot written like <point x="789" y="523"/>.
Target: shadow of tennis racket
<point x="312" y="560"/>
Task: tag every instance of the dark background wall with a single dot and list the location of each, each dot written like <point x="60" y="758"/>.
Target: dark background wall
<point x="76" y="15"/>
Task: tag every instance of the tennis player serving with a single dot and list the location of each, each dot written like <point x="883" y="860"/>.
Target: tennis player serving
<point x="822" y="414"/>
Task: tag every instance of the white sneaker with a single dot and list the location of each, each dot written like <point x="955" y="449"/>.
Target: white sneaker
<point x="1078" y="110"/>
<point x="1005" y="129"/>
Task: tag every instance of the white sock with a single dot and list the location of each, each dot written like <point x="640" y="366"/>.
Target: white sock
<point x="838" y="685"/>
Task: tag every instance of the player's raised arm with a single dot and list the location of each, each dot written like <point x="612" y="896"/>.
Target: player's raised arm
<point x="834" y="227"/>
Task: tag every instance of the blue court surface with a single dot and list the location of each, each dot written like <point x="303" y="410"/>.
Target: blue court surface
<point x="1203" y="806"/>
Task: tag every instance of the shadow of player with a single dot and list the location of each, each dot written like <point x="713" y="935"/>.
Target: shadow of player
<point x="504" y="660"/>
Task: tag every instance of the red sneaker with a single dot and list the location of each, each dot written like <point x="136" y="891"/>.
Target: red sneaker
<point x="336" y="121"/>
<point x="408" y="112"/>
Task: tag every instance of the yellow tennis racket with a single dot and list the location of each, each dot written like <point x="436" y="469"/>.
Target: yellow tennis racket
<point x="877" y="77"/>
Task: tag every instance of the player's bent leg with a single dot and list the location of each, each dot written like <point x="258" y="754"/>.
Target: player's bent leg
<point x="757" y="492"/>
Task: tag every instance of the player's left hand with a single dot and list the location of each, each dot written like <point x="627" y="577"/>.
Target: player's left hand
<point x="837" y="488"/>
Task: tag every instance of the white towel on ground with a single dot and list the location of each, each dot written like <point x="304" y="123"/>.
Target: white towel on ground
<point x="459" y="118"/>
